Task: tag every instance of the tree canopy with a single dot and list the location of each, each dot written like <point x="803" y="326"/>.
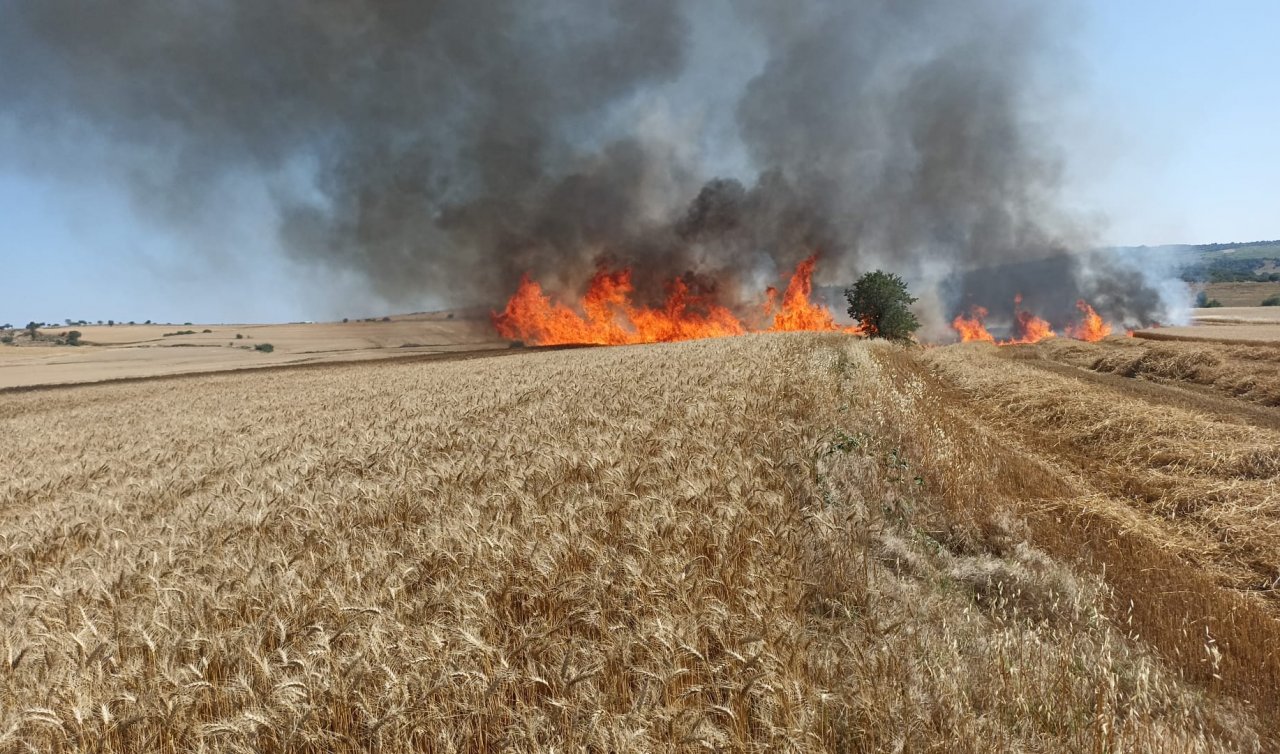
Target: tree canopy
<point x="879" y="301"/>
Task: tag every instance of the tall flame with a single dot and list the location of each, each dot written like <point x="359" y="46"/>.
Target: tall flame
<point x="1028" y="327"/>
<point x="971" y="328"/>
<point x="1092" y="327"/>
<point x="608" y="317"/>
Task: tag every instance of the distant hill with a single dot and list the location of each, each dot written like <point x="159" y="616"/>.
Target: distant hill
<point x="1250" y="261"/>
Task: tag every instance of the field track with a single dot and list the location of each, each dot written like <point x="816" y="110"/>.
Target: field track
<point x="772" y="542"/>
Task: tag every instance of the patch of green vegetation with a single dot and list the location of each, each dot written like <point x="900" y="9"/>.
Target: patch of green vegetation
<point x="1272" y="301"/>
<point x="845" y="442"/>
<point x="264" y="347"/>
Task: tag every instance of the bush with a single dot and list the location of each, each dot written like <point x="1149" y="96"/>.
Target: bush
<point x="1212" y="303"/>
<point x="6" y="339"/>
<point x="264" y="347"/>
<point x="73" y="338"/>
<point x="239" y="336"/>
<point x="1273" y="301"/>
<point x="207" y="331"/>
<point x="881" y="303"/>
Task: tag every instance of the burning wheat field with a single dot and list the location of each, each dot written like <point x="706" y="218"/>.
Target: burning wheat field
<point x="767" y="380"/>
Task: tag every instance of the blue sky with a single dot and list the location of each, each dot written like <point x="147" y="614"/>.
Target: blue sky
<point x="1174" y="137"/>
<point x="1185" y="97"/>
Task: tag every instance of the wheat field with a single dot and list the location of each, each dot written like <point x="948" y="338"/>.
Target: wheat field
<point x="785" y="542"/>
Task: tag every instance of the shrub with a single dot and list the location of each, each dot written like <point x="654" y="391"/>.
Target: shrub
<point x="264" y="347"/>
<point x="1273" y="301"/>
<point x="73" y="338"/>
<point x="881" y="303"/>
<point x="6" y="339"/>
<point x="207" y="330"/>
<point x="1212" y="303"/>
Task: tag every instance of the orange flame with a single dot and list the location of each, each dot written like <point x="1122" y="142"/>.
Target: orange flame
<point x="971" y="328"/>
<point x="1092" y="327"/>
<point x="1028" y="327"/>
<point x="799" y="312"/>
<point x="610" y="318"/>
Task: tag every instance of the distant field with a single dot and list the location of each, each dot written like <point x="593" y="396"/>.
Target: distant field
<point x="1253" y="251"/>
<point x="131" y="351"/>
<point x="1257" y="324"/>
<point x="786" y="542"/>
<point x="1242" y="294"/>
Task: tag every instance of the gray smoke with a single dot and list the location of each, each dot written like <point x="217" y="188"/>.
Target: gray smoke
<point x="443" y="148"/>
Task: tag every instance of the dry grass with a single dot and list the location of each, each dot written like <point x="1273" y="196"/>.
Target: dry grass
<point x="1248" y="372"/>
<point x="1179" y="507"/>
<point x="763" y="543"/>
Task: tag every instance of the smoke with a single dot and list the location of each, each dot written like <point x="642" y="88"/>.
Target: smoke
<point x="444" y="148"/>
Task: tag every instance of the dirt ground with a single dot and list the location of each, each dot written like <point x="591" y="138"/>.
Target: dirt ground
<point x="130" y="351"/>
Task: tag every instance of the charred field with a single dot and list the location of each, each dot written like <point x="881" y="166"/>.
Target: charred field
<point x="782" y="541"/>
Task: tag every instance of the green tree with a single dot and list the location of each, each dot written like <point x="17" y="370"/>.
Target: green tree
<point x="881" y="303"/>
<point x="73" y="338"/>
<point x="32" y="328"/>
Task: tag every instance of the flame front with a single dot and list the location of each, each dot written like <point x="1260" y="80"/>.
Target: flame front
<point x="610" y="318"/>
<point x="971" y="328"/>
<point x="1092" y="328"/>
<point x="1028" y="328"/>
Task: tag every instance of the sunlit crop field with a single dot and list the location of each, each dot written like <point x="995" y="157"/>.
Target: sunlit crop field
<point x="764" y="543"/>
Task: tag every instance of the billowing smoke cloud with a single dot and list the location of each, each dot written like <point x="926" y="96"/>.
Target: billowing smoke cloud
<point x="445" y="147"/>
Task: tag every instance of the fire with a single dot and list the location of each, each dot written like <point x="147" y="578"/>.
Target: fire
<point x="798" y="311"/>
<point x="1028" y="328"/>
<point x="606" y="315"/>
<point x="971" y="328"/>
<point x="1092" y="327"/>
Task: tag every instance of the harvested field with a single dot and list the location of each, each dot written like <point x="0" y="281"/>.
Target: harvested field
<point x="1243" y="293"/>
<point x="771" y="542"/>
<point x="1254" y="326"/>
<point x="137" y="351"/>
<point x="1249" y="372"/>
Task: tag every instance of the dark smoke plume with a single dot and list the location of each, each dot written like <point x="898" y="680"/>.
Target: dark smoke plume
<point x="442" y="148"/>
